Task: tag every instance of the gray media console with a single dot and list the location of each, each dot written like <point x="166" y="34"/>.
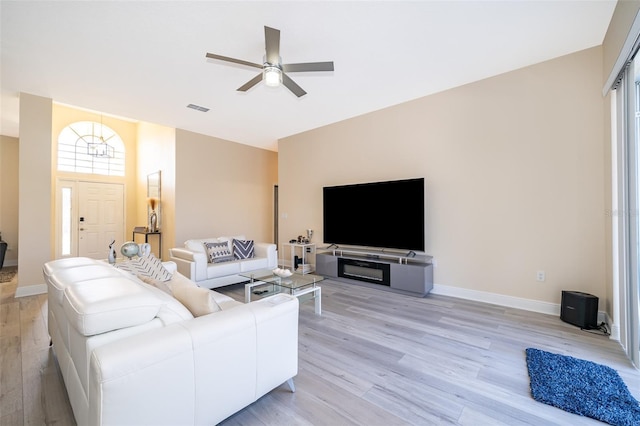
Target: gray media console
<point x="409" y="275"/>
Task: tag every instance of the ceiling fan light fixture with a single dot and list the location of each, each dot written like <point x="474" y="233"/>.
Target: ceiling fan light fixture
<point x="272" y="76"/>
<point x="272" y="69"/>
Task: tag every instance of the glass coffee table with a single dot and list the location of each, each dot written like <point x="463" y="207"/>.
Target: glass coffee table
<point x="264" y="282"/>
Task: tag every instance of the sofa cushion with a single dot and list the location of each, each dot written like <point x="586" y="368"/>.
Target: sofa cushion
<point x="105" y="304"/>
<point x="60" y="278"/>
<point x="218" y="252"/>
<point x="243" y="249"/>
<point x="69" y="262"/>
<point x="256" y="263"/>
<point x="215" y="270"/>
<point x="148" y="266"/>
<point x="160" y="285"/>
<point x="199" y="301"/>
<point x="197" y="246"/>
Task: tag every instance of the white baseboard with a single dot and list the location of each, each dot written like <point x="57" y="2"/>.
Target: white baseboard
<point x="498" y="299"/>
<point x="31" y="290"/>
<point x="28" y="290"/>
<point x="513" y="302"/>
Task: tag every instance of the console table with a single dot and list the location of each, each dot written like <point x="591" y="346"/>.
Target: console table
<point x="385" y="270"/>
<point x="146" y="233"/>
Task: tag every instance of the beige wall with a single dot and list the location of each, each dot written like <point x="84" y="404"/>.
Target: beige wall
<point x="222" y="188"/>
<point x="9" y="197"/>
<point x="514" y="174"/>
<point x="156" y="152"/>
<point x="35" y="230"/>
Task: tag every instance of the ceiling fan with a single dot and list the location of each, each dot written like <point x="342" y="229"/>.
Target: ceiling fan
<point x="273" y="70"/>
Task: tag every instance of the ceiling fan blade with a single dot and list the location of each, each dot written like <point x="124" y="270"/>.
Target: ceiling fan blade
<point x="272" y="45"/>
<point x="249" y="84"/>
<point x="310" y="66"/>
<point x="291" y="85"/>
<point x="235" y="61"/>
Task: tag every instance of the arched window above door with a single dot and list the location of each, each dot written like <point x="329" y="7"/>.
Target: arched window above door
<point x="90" y="147"/>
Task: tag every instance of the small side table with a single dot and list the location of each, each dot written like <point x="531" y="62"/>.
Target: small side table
<point x="305" y="268"/>
<point x="146" y="233"/>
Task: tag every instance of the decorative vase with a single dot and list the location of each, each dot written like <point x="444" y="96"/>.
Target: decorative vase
<point x="112" y="253"/>
<point x="129" y="249"/>
<point x="145" y="249"/>
<point x="153" y="221"/>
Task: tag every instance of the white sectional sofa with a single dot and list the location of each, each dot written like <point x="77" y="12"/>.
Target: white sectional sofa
<point x="131" y="354"/>
<point x="194" y="262"/>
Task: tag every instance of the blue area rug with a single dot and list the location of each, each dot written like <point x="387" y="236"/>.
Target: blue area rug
<point x="581" y="387"/>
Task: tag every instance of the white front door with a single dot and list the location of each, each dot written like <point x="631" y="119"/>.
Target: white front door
<point x="90" y="215"/>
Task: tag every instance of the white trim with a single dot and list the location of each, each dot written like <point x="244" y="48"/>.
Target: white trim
<point x="13" y="262"/>
<point x="511" y="302"/>
<point x="497" y="299"/>
<point x="615" y="332"/>
<point x="625" y="54"/>
<point x="617" y="252"/>
<point x="31" y="290"/>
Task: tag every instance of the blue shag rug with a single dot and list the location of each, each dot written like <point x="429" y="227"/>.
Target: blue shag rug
<point x="581" y="387"/>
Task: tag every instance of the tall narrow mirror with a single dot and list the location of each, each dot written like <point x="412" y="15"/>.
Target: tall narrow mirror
<point x="153" y="185"/>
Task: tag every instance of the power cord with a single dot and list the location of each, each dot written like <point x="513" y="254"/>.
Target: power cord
<point x="602" y="328"/>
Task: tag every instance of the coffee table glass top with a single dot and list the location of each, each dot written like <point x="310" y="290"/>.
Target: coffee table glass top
<point x="294" y="282"/>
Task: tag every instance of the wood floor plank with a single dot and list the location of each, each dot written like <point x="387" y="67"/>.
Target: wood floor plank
<point x="57" y="408"/>
<point x="10" y="361"/>
<point x="35" y="335"/>
<point x="8" y="291"/>
<point x="35" y="357"/>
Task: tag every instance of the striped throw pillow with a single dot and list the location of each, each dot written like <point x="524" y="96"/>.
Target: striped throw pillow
<point x="218" y="252"/>
<point x="243" y="249"/>
<point x="148" y="266"/>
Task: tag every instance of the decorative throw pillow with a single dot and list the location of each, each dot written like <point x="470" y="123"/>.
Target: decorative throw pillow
<point x="148" y="266"/>
<point x="160" y="285"/>
<point x="243" y="249"/>
<point x="218" y="252"/>
<point x="199" y="301"/>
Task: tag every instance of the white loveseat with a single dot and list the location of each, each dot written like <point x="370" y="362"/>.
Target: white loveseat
<point x="131" y="354"/>
<point x="194" y="262"/>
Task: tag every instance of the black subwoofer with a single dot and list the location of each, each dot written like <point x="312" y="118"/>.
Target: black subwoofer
<point x="579" y="309"/>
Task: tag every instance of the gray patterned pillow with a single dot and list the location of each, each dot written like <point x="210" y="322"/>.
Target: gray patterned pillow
<point x="243" y="249"/>
<point x="218" y="252"/>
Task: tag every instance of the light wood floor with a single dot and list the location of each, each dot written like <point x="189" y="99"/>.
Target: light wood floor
<point x="372" y="358"/>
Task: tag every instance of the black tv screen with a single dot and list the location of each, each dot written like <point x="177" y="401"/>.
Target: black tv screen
<point x="377" y="214"/>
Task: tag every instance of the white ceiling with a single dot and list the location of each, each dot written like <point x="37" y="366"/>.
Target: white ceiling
<point x="145" y="60"/>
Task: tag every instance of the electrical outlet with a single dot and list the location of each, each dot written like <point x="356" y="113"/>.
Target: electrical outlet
<point x="540" y="276"/>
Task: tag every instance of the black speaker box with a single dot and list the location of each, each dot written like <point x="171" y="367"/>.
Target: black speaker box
<point x="579" y="309"/>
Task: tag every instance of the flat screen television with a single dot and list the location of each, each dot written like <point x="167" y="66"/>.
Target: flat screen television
<point x="378" y="214"/>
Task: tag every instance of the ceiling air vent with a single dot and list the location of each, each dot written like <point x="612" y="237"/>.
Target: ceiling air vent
<point x="197" y="107"/>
